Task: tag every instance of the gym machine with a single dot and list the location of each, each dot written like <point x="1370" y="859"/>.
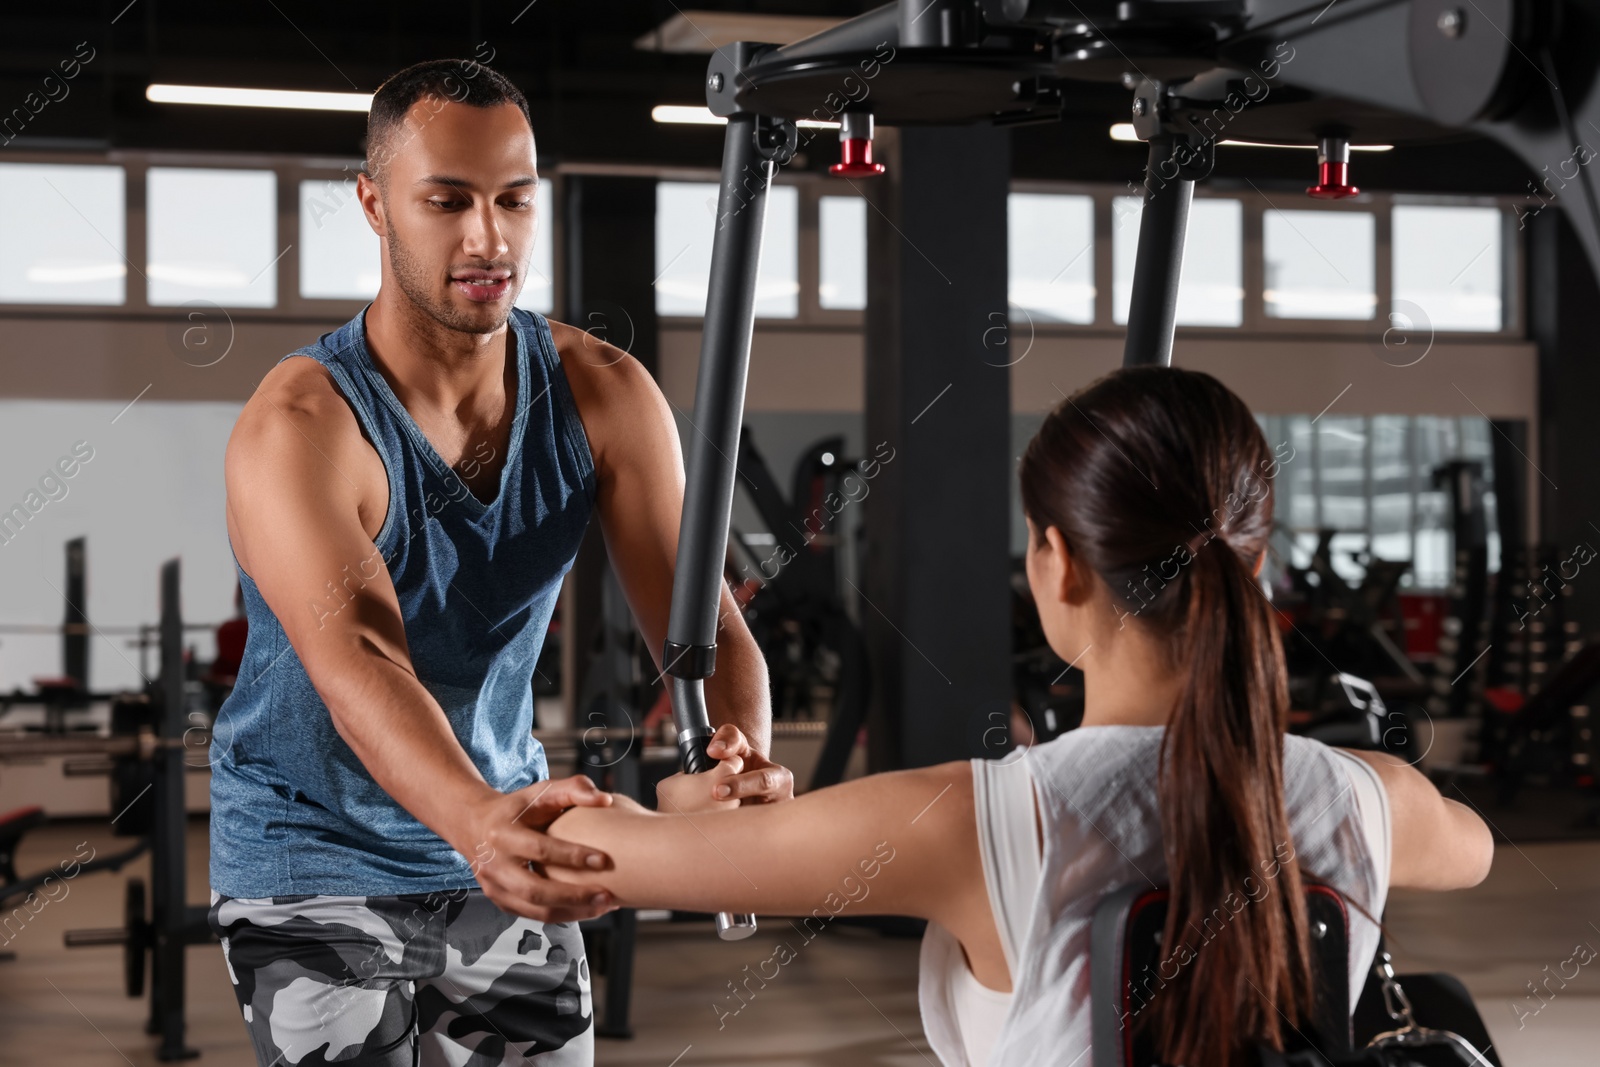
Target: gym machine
<point x="797" y="616"/>
<point x="1274" y="71"/>
<point x="145" y="756"/>
<point x="1271" y="71"/>
<point x="1537" y="706"/>
<point x="1460" y="648"/>
<point x="70" y="692"/>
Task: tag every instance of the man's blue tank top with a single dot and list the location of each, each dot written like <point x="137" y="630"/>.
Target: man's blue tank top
<point x="293" y="810"/>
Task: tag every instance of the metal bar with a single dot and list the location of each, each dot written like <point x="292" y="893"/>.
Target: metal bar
<point x="74" y="635"/>
<point x="719" y="393"/>
<point x="168" y="846"/>
<point x="1153" y="305"/>
<point x="113" y="862"/>
<point x="689" y="656"/>
<point x="619" y="974"/>
<point x="1366" y="479"/>
<point x="860" y="34"/>
<point x="25" y="748"/>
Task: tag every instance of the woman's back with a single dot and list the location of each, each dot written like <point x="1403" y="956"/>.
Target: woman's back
<point x="1101" y="827"/>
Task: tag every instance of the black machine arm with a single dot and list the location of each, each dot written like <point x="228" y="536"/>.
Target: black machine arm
<point x="754" y="147"/>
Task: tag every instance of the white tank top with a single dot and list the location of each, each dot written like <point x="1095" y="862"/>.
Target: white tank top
<point x="1095" y="791"/>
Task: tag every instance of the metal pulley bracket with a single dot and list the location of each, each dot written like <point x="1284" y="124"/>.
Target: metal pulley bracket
<point x="1195" y="156"/>
<point x="726" y="70"/>
<point x="776" y="139"/>
<point x="1150" y="110"/>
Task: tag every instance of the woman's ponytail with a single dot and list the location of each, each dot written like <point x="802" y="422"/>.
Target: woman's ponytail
<point x="1236" y="914"/>
<point x="1161" y="464"/>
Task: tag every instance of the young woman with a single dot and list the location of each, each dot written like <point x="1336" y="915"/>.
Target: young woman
<point x="1148" y="497"/>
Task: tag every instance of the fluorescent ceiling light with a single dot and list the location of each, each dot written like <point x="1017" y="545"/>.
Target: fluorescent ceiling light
<point x="693" y="116"/>
<point x="706" y="31"/>
<point x="280" y="98"/>
<point x="1123" y="131"/>
<point x="702" y="116"/>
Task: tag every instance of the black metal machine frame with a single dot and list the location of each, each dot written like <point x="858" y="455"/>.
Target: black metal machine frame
<point x="1276" y="71"/>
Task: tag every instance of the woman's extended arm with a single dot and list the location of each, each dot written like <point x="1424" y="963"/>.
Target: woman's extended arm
<point x="1435" y="842"/>
<point x="902" y="843"/>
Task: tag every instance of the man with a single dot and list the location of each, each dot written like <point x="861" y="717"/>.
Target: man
<point x="404" y="497"/>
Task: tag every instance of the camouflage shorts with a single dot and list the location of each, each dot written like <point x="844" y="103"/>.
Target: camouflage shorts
<point x="425" y="980"/>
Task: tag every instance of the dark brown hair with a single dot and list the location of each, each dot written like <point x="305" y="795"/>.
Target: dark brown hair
<point x="464" y="81"/>
<point x="1146" y="472"/>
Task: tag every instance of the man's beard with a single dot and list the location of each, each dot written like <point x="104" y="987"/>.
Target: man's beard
<point x="416" y="282"/>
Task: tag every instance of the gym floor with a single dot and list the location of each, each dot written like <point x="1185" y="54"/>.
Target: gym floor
<point x="847" y="1000"/>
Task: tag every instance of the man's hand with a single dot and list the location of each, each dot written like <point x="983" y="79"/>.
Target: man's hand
<point x="760" y="782"/>
<point x="499" y="839"/>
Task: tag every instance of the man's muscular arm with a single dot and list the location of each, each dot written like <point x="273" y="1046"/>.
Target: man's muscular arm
<point x="641" y="482"/>
<point x="304" y="490"/>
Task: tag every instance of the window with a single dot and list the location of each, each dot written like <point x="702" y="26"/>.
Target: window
<point x="538" y="288"/>
<point x="338" y="250"/>
<point x="1393" y="505"/>
<point x="212" y="235"/>
<point x="63" y="234"/>
<point x="1341" y="455"/>
<point x="686" y="220"/>
<point x="842" y="255"/>
<point x="1370" y="479"/>
<point x="1319" y="264"/>
<point x="1447" y="273"/>
<point x="1050" y="249"/>
<point x="1211" y="288"/>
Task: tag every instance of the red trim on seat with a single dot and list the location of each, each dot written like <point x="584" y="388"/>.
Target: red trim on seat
<point x="20" y="814"/>
<point x="1154" y="896"/>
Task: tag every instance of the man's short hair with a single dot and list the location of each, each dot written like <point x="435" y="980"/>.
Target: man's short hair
<point x="464" y="81"/>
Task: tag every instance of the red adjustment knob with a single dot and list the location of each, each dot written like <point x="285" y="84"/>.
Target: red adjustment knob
<point x="855" y="147"/>
<point x="1333" y="170"/>
<point x="855" y="160"/>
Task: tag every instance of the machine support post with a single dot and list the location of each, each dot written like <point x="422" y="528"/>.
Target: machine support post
<point x="168" y="884"/>
<point x="689" y="656"/>
<point x="1153" y="307"/>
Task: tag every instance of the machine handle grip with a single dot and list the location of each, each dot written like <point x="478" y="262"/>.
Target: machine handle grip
<point x="692" y="754"/>
<point x="693" y="758"/>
